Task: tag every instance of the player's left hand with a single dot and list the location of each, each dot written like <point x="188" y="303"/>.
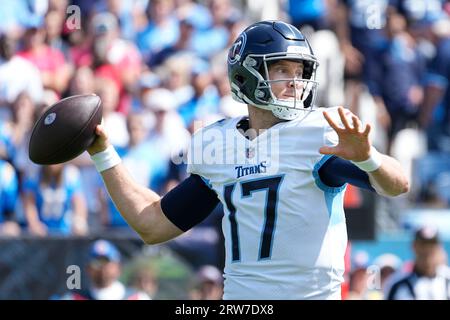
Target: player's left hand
<point x="353" y="142"/>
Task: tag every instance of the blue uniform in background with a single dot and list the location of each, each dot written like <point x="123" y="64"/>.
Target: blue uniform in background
<point x="54" y="202"/>
<point x="8" y="190"/>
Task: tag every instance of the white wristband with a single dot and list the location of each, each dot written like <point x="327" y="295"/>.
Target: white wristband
<point x="106" y="159"/>
<point x="371" y="164"/>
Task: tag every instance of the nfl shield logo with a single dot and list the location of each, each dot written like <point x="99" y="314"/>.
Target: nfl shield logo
<point x="249" y="153"/>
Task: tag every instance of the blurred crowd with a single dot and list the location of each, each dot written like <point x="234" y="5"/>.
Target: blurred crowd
<point x="160" y="69"/>
<point x="158" y="66"/>
<point x="105" y="269"/>
<point x="424" y="277"/>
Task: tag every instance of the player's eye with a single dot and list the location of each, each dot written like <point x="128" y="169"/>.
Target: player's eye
<point x="281" y="69"/>
<point x="286" y="72"/>
<point x="289" y="71"/>
<point x="299" y="74"/>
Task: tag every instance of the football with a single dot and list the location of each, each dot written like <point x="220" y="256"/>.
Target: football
<point x="65" y="129"/>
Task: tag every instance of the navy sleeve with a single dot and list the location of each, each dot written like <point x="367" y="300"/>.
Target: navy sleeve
<point x="189" y="203"/>
<point x="336" y="172"/>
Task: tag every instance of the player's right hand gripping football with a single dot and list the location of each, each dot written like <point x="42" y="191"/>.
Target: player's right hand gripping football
<point x="101" y="141"/>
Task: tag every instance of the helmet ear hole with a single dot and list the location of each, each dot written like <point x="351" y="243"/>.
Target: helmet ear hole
<point x="308" y="69"/>
<point x="239" y="79"/>
<point x="308" y="100"/>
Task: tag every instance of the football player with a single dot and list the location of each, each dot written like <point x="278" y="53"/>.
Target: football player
<point x="280" y="174"/>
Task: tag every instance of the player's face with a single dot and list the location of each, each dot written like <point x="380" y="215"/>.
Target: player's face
<point x="284" y="72"/>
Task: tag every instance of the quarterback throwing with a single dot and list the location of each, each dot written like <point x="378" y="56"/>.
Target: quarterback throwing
<point x="284" y="223"/>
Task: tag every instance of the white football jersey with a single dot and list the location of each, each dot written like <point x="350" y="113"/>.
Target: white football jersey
<point x="285" y="231"/>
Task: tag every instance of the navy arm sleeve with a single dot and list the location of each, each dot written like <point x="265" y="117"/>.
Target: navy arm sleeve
<point x="189" y="203"/>
<point x="336" y="172"/>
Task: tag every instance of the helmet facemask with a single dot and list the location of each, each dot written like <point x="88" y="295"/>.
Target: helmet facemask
<point x="304" y="87"/>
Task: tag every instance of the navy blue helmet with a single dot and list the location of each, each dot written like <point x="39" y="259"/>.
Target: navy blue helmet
<point x="258" y="46"/>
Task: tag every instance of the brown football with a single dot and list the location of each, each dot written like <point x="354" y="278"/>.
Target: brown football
<point x="65" y="129"/>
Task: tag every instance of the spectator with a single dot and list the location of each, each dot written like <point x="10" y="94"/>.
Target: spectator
<point x="115" y="58"/>
<point x="330" y="75"/>
<point x="358" y="284"/>
<point x="104" y="269"/>
<point x="206" y="43"/>
<point x="182" y="45"/>
<point x="81" y="44"/>
<point x="54" y="23"/>
<point x="161" y="31"/>
<point x="108" y="92"/>
<point x="396" y="76"/>
<point x="82" y="82"/>
<point x="13" y="16"/>
<point x="148" y="82"/>
<point x="54" y="202"/>
<point x="16" y="76"/>
<point x="435" y="112"/>
<point x="388" y="264"/>
<point x="168" y="135"/>
<point x="309" y="12"/>
<point x="206" y="98"/>
<point x="176" y="75"/>
<point x="430" y="278"/>
<point x="24" y="114"/>
<point x="13" y="133"/>
<point x="8" y="198"/>
<point x="196" y="12"/>
<point x="359" y="28"/>
<point x="58" y="5"/>
<point x="358" y="277"/>
<point x="126" y="12"/>
<point x="145" y="280"/>
<point x="420" y="13"/>
<point x="55" y="71"/>
<point x="209" y="284"/>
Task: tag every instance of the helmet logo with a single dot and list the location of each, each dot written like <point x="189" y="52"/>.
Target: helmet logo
<point x="235" y="53"/>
